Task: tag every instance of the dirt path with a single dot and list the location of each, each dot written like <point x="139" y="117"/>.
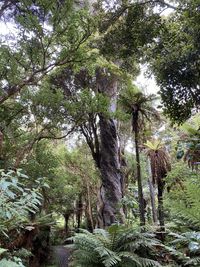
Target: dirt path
<point x="61" y="255"/>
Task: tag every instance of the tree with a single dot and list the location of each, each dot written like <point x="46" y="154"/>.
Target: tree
<point x="71" y="76"/>
<point x="190" y="141"/>
<point x="111" y="191"/>
<point x="124" y="34"/>
<point x="174" y="61"/>
<point x="91" y="107"/>
<point x="48" y="37"/>
<point x="160" y="166"/>
<point x="53" y="38"/>
<point x="140" y="108"/>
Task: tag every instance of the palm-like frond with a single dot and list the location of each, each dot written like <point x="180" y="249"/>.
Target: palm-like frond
<point x="139" y="105"/>
<point x="159" y="159"/>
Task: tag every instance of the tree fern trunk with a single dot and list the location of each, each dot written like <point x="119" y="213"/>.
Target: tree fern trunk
<point x="160" y="206"/>
<point x="139" y="180"/>
<point x="153" y="203"/>
<point x="152" y="195"/>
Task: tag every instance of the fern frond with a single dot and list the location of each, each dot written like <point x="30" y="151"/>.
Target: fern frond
<point x="119" y="247"/>
<point x="149" y="263"/>
<point x="130" y="258"/>
<point x="193" y="262"/>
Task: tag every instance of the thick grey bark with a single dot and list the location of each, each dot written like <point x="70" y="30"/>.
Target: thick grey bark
<point x="112" y="180"/>
<point x="111" y="191"/>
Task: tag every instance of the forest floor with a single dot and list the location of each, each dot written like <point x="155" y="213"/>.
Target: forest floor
<point x="60" y="255"/>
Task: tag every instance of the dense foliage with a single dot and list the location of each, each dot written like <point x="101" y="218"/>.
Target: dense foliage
<point x="82" y="146"/>
<point x="175" y="61"/>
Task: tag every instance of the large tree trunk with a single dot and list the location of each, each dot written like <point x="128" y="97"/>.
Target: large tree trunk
<point x="139" y="181"/>
<point x="111" y="191"/>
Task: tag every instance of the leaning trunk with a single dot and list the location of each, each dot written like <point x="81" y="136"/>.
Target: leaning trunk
<point x="111" y="191"/>
<point x="139" y="181"/>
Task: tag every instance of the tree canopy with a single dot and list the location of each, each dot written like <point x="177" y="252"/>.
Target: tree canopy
<point x="86" y="154"/>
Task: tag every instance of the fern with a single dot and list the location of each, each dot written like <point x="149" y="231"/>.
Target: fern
<point x="185" y="205"/>
<point x="190" y="242"/>
<point x="193" y="262"/>
<point x="116" y="247"/>
<point x="184" y="197"/>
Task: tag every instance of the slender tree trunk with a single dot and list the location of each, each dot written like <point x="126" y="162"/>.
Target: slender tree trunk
<point x="88" y="211"/>
<point x="111" y="191"/>
<point x="79" y="211"/>
<point x="153" y="203"/>
<point x="152" y="195"/>
<point x="66" y="217"/>
<point x="160" y="206"/>
<point x="139" y="180"/>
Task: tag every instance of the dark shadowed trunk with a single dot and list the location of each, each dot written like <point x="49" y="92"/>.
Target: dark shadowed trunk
<point x="66" y="217"/>
<point x="79" y="210"/>
<point x="111" y="191"/>
<point x="160" y="206"/>
<point x="139" y="180"/>
<point x="88" y="209"/>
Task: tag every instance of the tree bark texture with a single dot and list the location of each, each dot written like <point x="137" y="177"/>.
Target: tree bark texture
<point x="111" y="190"/>
<point x="67" y="217"/>
<point x="152" y="195"/>
<point x="79" y="210"/>
<point x="88" y="210"/>
<point x="160" y="205"/>
<point x="153" y="202"/>
<point x="139" y="181"/>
